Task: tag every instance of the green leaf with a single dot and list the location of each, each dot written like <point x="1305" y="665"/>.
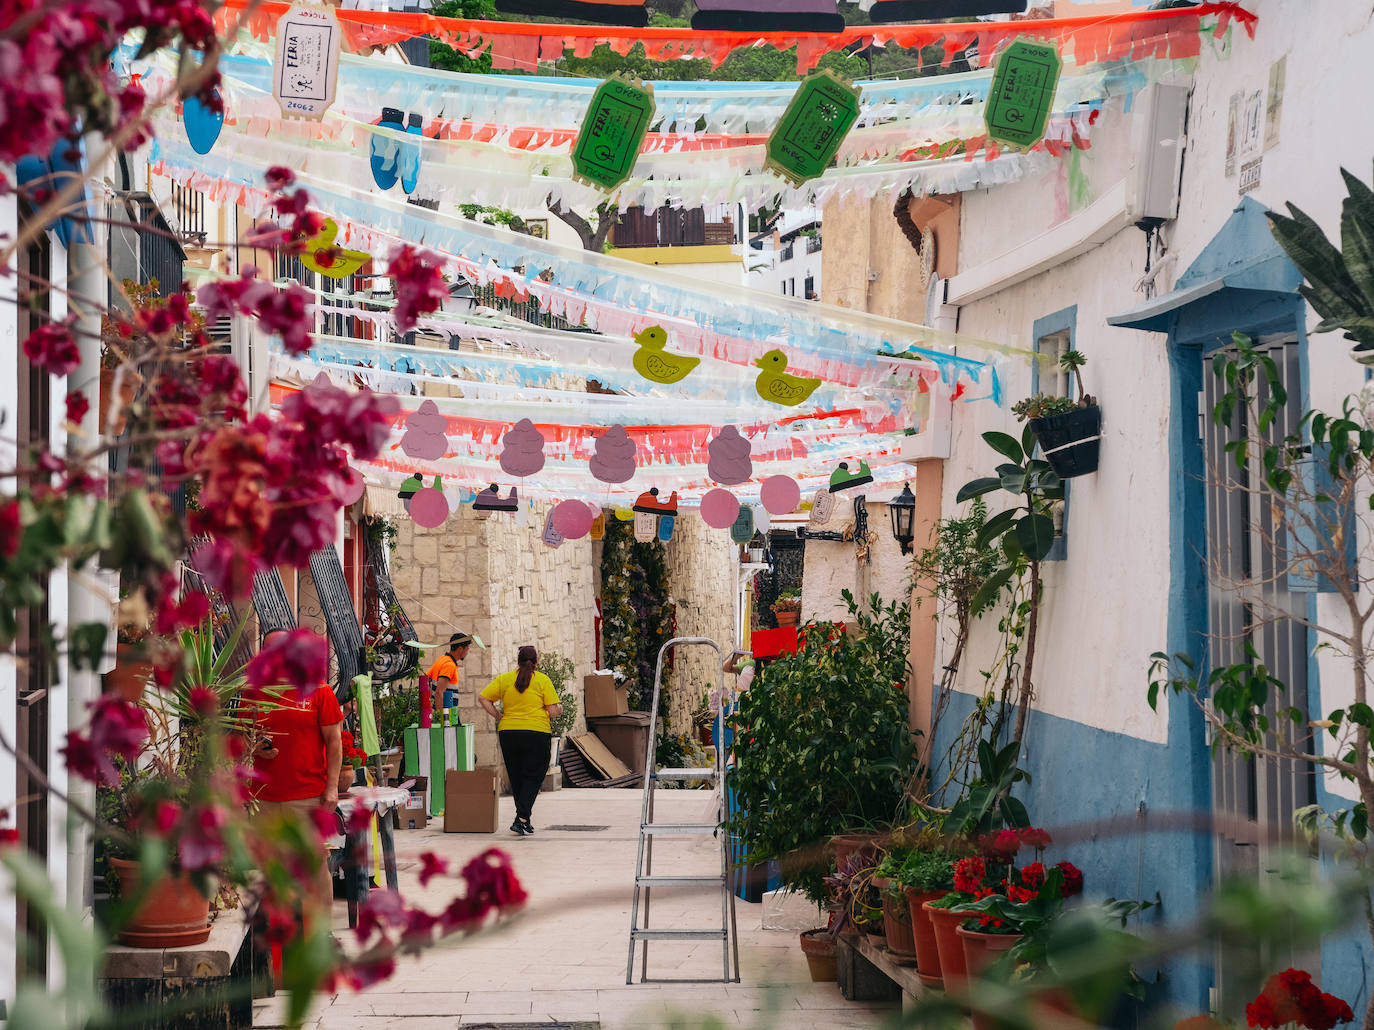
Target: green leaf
<point x="1359" y="822"/>
<point x="1035" y="534"/>
<point x="994" y="528"/>
<point x="977" y="488"/>
<point x="989" y="589"/>
<point x="1005" y="445"/>
<point x="87" y="644"/>
<point x="1360" y="714"/>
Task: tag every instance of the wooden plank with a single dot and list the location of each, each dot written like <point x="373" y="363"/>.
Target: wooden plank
<point x="599" y="757"/>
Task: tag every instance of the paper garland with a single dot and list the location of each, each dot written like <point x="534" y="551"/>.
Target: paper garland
<point x="522" y="45"/>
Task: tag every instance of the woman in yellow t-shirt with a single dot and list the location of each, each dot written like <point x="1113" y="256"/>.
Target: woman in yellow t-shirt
<point x="528" y="701"/>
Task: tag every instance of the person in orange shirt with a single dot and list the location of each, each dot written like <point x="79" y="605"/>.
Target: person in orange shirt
<point x="443" y="674"/>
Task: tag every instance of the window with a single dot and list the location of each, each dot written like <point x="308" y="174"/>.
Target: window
<point x="1054" y="335"/>
<point x="809" y="287"/>
<point x="792" y="286"/>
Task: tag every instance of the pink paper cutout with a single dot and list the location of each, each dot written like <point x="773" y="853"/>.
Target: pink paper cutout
<point x="522" y="453"/>
<point x="424" y="439"/>
<point x="729" y="462"/>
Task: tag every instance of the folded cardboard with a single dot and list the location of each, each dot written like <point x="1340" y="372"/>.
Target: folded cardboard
<point x="471" y="801"/>
<point x="414" y="814"/>
<point x="601" y="696"/>
<point x="598" y="756"/>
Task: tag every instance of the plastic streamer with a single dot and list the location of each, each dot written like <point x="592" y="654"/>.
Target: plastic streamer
<point x="1168" y="33"/>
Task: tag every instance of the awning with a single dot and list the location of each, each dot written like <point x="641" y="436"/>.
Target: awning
<point x="1243" y="256"/>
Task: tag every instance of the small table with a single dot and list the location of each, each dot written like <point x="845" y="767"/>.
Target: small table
<point x="380" y="800"/>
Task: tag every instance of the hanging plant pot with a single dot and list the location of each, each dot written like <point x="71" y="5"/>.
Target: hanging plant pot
<point x="173" y="913"/>
<point x="1070" y="441"/>
<point x="129" y="678"/>
<point x="819" y="948"/>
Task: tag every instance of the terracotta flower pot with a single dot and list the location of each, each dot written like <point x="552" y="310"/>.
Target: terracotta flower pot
<point x="129" y="383"/>
<point x="788" y="616"/>
<point x="173" y="914"/>
<point x="130" y="676"/>
<point x="346" y="778"/>
<point x="819" y="949"/>
<point x="923" y="931"/>
<point x="847" y="845"/>
<point x="901" y="945"/>
<point x="981" y="950"/>
<point x="953" y="966"/>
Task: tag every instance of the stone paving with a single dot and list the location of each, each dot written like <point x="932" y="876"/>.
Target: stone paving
<point x="563" y="959"/>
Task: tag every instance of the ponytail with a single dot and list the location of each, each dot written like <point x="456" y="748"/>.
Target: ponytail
<point x="528" y="658"/>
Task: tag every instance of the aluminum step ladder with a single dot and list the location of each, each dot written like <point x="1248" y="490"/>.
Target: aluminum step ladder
<point x="645" y="880"/>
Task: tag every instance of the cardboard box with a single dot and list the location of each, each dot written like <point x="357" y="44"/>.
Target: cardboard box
<point x="471" y="801"/>
<point x="601" y="697"/>
<point x="415" y="814"/>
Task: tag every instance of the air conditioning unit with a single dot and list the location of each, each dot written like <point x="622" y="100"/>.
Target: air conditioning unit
<point x="1158" y="118"/>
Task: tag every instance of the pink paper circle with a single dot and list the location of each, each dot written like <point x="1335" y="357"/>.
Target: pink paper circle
<point x="719" y="509"/>
<point x="573" y="519"/>
<point x="780" y="495"/>
<point x="429" y="508"/>
<point x="352" y="491"/>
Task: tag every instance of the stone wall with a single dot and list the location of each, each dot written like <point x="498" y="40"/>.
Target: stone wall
<point x="702" y="576"/>
<point x="831" y="567"/>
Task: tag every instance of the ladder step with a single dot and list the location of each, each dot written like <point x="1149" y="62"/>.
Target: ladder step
<point x="678" y="829"/>
<point x="677" y="935"/>
<point x="686" y="774"/>
<point x="679" y="881"/>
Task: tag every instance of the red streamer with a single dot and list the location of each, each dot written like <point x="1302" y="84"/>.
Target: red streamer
<point x="1170" y="33"/>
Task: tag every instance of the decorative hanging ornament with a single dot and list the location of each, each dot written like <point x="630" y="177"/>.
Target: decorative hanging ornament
<point x="649" y="503"/>
<point x="767" y="16"/>
<point x="573" y="519"/>
<point x="776" y="385"/>
<point x="1022" y="93"/>
<point x="603" y="12"/>
<point x="612" y="133"/>
<point x="728" y="461"/>
<point x="598" y="531"/>
<point x="424" y="438"/>
<point x="653" y="362"/>
<point x="522" y="451"/>
<point x="613" y="456"/>
<point x="742" y="529"/>
<point x="624" y="514"/>
<point x="843" y="479"/>
<point x="325" y="258"/>
<point x="490" y="499"/>
<point x="202" y="122"/>
<point x="806" y="140"/>
<point x="719" y="508"/>
<point x="409" y="488"/>
<point x="780" y="495"/>
<point x="665" y="528"/>
<point x="822" y="506"/>
<point x="762" y="523"/>
<point x="646" y="526"/>
<point x="306" y="70"/>
<point x="352" y="491"/>
<point x="429" y="507"/>
<point x="551" y="535"/>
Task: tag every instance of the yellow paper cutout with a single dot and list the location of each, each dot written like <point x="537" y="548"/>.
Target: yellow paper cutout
<point x="653" y="362"/>
<point x="774" y="384"/>
<point x="346" y="262"/>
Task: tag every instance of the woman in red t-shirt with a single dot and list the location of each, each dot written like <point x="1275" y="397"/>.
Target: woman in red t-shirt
<point x="297" y="762"/>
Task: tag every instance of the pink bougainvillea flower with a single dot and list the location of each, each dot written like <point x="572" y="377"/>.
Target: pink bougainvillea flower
<point x="10" y="528"/>
<point x="382" y="909"/>
<point x="77" y="406"/>
<point x="420" y="286"/>
<point x="279" y="177"/>
<point x="203" y="701"/>
<point x="431" y="865"/>
<point x="174" y="616"/>
<point x="51" y="347"/>
<point x="298" y="659"/>
<point x="326" y="823"/>
<point x="117" y="728"/>
<point x="166" y="817"/>
<point x="202" y="846"/>
<point x="227" y="568"/>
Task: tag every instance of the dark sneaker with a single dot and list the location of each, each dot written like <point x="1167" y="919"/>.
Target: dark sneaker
<point x="518" y="828"/>
<point x="529" y="828"/>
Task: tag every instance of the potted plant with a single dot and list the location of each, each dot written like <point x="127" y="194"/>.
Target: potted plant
<point x="704" y="717"/>
<point x="119" y="379"/>
<point x="133" y="666"/>
<point x="1068" y="431"/>
<point x="926" y="875"/>
<point x="897" y="927"/>
<point x="165" y="890"/>
<point x="787" y="607"/>
<point x="354" y="758"/>
<point x="560" y="671"/>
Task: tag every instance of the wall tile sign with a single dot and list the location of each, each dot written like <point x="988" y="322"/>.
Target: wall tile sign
<point x="1022" y="93"/>
<point x="306" y="69"/>
<point x="821" y="113"/>
<point x="612" y="133"/>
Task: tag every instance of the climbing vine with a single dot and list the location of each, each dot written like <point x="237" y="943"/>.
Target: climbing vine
<point x="635" y="610"/>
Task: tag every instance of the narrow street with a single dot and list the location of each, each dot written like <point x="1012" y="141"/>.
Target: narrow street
<point x="563" y="960"/>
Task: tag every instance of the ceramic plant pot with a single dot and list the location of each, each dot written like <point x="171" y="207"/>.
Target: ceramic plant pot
<point x="819" y="948"/>
<point x="953" y="965"/>
<point x="923" y="932"/>
<point x="172" y="914"/>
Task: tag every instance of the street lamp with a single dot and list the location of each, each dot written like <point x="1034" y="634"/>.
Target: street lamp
<point x="903" y="511"/>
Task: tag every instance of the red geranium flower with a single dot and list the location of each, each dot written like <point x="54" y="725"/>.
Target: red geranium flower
<point x="1073" y="879"/>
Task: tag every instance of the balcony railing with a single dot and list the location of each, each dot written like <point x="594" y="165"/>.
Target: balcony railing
<point x="676" y="227"/>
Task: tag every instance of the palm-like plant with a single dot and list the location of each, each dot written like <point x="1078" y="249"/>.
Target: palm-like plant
<point x="1340" y="280"/>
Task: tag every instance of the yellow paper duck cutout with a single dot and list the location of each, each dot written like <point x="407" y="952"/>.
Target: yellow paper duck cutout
<point x="774" y="384"/>
<point x="653" y="362"/>
<point x="346" y="262"/>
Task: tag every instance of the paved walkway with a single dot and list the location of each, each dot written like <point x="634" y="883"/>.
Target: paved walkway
<point x="563" y="958"/>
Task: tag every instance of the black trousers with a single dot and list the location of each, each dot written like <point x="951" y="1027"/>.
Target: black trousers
<point x="526" y="753"/>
